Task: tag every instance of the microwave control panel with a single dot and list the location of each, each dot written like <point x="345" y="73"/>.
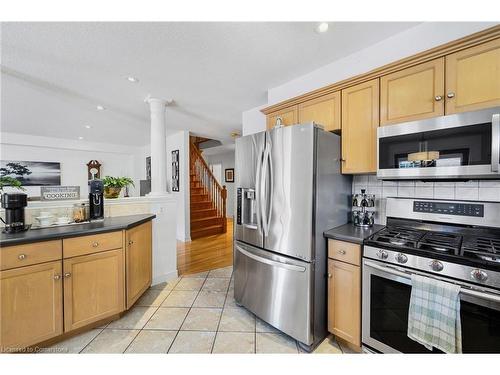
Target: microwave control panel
<point x="446" y="208"/>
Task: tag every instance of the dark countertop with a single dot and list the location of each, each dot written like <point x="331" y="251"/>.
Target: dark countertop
<point x="348" y="232"/>
<point x="109" y="224"/>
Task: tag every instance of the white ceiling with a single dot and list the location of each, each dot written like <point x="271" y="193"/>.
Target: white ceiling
<point x="54" y="74"/>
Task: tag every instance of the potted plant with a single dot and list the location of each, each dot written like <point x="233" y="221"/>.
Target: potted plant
<point x="113" y="185"/>
<point x="10" y="181"/>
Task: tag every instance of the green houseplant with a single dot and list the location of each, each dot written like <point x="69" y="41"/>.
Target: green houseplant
<point x="113" y="185"/>
<point x="10" y="181"/>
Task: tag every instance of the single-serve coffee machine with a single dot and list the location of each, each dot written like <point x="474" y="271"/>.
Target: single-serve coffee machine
<point x="14" y="204"/>
<point x="96" y="199"/>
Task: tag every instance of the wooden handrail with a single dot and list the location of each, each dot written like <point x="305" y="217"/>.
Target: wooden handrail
<point x="210" y="185"/>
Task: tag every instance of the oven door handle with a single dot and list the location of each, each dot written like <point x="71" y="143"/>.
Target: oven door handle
<point x="495" y="143"/>
<point x="407" y="275"/>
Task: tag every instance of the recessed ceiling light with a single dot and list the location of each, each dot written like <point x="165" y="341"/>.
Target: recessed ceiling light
<point x="100" y="108"/>
<point x="80" y="138"/>
<point x="87" y="126"/>
<point x="322" y="27"/>
<point x="133" y="79"/>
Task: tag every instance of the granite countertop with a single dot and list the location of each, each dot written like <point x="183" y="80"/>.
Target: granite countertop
<point x="350" y="233"/>
<point x="109" y="224"/>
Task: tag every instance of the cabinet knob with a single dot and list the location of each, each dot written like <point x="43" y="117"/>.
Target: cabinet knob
<point x="67" y="274"/>
<point x="21" y="256"/>
<point x="438" y="98"/>
<point x="342" y="252"/>
<point x="342" y="160"/>
<point x="95" y="244"/>
<point x="329" y="275"/>
<point x="57" y="277"/>
<point x="450" y="95"/>
<point x="130" y="242"/>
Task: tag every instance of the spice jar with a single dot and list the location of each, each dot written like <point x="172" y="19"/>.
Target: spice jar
<point x="80" y="213"/>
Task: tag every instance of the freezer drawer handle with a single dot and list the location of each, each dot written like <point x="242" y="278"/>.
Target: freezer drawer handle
<point x="290" y="267"/>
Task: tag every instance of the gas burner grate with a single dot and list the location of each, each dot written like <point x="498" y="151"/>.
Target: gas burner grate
<point x="398" y="236"/>
<point x="484" y="248"/>
<point x="447" y="243"/>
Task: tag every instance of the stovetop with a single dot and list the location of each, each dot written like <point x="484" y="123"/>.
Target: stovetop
<point x="474" y="246"/>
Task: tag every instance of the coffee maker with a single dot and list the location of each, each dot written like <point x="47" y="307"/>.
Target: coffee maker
<point x="14" y="204"/>
<point x="96" y="199"/>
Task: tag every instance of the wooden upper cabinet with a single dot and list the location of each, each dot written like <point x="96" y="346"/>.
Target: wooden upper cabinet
<point x="324" y="111"/>
<point x="344" y="301"/>
<point x="412" y="94"/>
<point x="31" y="305"/>
<point x="360" y="120"/>
<point x="473" y="78"/>
<point x="94" y="288"/>
<point x="138" y="254"/>
<point x="289" y="116"/>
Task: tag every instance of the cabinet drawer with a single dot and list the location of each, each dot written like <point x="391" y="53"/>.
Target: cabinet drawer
<point x="29" y="254"/>
<point x="344" y="251"/>
<point x="96" y="243"/>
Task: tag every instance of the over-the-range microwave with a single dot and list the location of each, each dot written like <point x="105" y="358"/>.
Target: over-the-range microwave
<point x="458" y="146"/>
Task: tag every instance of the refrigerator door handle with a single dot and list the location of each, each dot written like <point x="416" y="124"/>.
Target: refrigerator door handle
<point x="290" y="267"/>
<point x="269" y="205"/>
<point x="258" y="177"/>
<point x="262" y="187"/>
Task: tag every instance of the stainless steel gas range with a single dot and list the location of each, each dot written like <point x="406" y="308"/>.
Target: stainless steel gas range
<point x="454" y="241"/>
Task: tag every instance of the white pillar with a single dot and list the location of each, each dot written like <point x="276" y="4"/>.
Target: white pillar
<point x="158" y="147"/>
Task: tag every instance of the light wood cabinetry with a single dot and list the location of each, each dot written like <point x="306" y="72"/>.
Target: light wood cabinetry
<point x="83" y="245"/>
<point x="412" y="94"/>
<point x="31" y="305"/>
<point x="473" y="78"/>
<point x="324" y="110"/>
<point x="138" y="253"/>
<point x="28" y="254"/>
<point x="344" y="301"/>
<point x="360" y="120"/>
<point x="289" y="116"/>
<point x="94" y="288"/>
<point x="344" y="291"/>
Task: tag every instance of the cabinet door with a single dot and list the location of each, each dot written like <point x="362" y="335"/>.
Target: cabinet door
<point x="94" y="288"/>
<point x="138" y="261"/>
<point x="31" y="305"/>
<point x="412" y="94"/>
<point x="360" y="120"/>
<point x="288" y="117"/>
<point x="324" y="110"/>
<point x="473" y="78"/>
<point x="344" y="301"/>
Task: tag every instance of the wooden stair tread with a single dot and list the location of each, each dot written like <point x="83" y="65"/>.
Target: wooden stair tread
<point x="217" y="226"/>
<point x="206" y="218"/>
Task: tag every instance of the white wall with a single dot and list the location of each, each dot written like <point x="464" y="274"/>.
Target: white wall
<point x="417" y="39"/>
<point x="73" y="155"/>
<point x="227" y="161"/>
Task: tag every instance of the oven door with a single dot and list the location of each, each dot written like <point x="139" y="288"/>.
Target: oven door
<point x="386" y="300"/>
<point x="464" y="145"/>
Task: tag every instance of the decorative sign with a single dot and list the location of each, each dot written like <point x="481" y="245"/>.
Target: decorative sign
<point x="59" y="193"/>
<point x="175" y="170"/>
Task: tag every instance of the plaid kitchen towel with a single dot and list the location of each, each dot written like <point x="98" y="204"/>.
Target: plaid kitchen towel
<point x="434" y="315"/>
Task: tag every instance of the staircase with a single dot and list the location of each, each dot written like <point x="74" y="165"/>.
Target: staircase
<point x="208" y="198"/>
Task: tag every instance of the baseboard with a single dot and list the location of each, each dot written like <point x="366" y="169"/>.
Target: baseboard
<point x="165" y="277"/>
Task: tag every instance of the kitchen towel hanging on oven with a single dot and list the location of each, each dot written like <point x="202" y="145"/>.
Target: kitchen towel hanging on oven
<point x="434" y="315"/>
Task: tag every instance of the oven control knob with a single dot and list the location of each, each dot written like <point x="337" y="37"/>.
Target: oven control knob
<point x="401" y="258"/>
<point x="479" y="275"/>
<point x="436" y="265"/>
<point x="382" y="254"/>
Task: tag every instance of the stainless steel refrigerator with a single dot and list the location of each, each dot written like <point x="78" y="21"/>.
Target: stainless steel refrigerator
<point x="289" y="190"/>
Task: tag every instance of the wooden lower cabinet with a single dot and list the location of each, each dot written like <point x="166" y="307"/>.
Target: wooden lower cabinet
<point x="138" y="253"/>
<point x="31" y="305"/>
<point x="344" y="301"/>
<point x="94" y="288"/>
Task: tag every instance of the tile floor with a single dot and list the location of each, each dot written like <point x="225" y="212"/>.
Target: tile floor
<point x="192" y="314"/>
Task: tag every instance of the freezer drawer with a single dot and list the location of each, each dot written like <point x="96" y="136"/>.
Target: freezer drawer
<point x="275" y="288"/>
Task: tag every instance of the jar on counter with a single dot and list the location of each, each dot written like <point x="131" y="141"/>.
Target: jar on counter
<point x="80" y="213"/>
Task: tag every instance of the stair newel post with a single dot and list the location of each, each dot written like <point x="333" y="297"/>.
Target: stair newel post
<point x="224" y="196"/>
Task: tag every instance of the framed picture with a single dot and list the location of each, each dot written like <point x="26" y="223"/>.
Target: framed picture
<point x="175" y="170"/>
<point x="229" y="175"/>
<point x="32" y="173"/>
<point x="148" y="168"/>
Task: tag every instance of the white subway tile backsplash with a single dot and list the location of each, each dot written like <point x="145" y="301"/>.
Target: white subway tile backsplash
<point x="389" y="191"/>
<point x="424" y="191"/>
<point x="444" y="184"/>
<point x="406" y="191"/>
<point x="424" y="183"/>
<point x="487" y="183"/>
<point x="444" y="192"/>
<point x="489" y="194"/>
<point x="377" y="190"/>
<point x="374" y="181"/>
<point x="406" y="183"/>
<point x="361" y="179"/>
<point x="389" y="183"/>
<point x="467" y="193"/>
<point x="471" y="183"/>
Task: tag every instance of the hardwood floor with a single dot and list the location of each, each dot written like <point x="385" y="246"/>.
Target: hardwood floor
<point x="206" y="253"/>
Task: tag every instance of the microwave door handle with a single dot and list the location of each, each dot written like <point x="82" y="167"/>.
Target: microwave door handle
<point x="407" y="275"/>
<point x="495" y="143"/>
